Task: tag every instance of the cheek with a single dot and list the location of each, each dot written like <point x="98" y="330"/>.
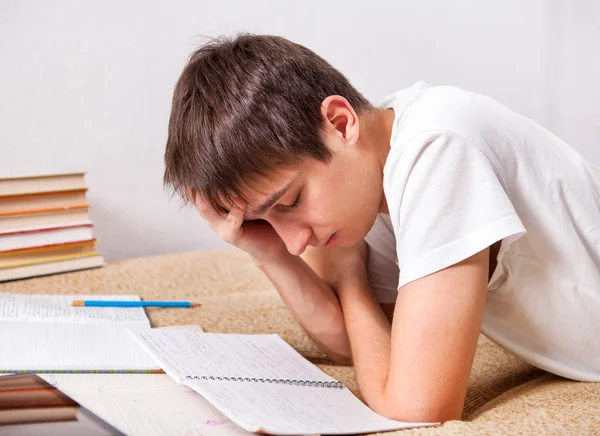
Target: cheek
<point x="335" y="202"/>
<point x="329" y="203"/>
<point x="316" y="212"/>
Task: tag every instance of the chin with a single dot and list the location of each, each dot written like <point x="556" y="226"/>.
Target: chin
<point x="350" y="236"/>
<point x="346" y="241"/>
<point x="361" y="230"/>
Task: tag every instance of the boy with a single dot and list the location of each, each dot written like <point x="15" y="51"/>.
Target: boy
<point x="475" y="218"/>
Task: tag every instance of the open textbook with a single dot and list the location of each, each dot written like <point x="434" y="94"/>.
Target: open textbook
<point x="262" y="384"/>
<point x="44" y="333"/>
<point x="146" y="404"/>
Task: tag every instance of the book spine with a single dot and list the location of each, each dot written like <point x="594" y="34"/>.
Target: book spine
<point x="48" y="259"/>
<point x="309" y="383"/>
<point x="47" y="247"/>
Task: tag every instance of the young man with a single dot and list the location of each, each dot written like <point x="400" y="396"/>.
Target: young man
<point x="475" y="218"/>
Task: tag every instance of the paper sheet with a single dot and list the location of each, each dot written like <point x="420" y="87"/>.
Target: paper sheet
<point x="262" y="356"/>
<point x="289" y="410"/>
<point x="57" y="308"/>
<point x="145" y="404"/>
<point x="275" y="408"/>
<point x="67" y="347"/>
<point x="45" y="333"/>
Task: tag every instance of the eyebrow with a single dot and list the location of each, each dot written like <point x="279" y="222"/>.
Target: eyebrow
<point x="272" y="200"/>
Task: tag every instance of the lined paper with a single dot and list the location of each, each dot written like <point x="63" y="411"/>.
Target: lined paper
<point x="274" y="408"/>
<point x="67" y="347"/>
<point x="45" y="333"/>
<point x="57" y="308"/>
<point x="146" y="404"/>
<point x="288" y="410"/>
<point x="208" y="354"/>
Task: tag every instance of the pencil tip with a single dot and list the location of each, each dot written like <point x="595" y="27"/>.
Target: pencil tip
<point x="195" y="305"/>
<point x="77" y="303"/>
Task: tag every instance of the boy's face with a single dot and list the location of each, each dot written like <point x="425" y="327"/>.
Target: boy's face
<point x="322" y="204"/>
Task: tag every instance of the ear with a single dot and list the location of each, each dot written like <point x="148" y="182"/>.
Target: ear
<point x="340" y="118"/>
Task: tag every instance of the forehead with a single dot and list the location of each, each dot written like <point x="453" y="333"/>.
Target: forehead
<point x="263" y="195"/>
<point x="258" y="188"/>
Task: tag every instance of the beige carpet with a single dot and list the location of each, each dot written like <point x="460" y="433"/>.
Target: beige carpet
<point x="505" y="395"/>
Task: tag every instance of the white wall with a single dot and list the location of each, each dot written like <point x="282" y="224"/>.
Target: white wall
<point x="87" y="85"/>
<point x="574" y="70"/>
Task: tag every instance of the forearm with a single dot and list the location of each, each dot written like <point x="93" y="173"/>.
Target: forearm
<point x="312" y="302"/>
<point x="369" y="333"/>
<point x="418" y="369"/>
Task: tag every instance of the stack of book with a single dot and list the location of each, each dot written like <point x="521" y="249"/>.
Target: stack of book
<point x="45" y="227"/>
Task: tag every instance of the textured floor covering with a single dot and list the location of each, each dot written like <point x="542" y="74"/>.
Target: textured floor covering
<point x="505" y="395"/>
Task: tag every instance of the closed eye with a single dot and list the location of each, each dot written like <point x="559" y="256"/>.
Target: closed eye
<point x="290" y="207"/>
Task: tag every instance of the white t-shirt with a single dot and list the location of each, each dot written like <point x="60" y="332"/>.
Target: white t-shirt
<point x="465" y="172"/>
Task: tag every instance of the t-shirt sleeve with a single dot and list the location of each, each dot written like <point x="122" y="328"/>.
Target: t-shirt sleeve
<point x="446" y="204"/>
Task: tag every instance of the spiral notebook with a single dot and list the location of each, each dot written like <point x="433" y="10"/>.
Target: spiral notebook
<point x="262" y="384"/>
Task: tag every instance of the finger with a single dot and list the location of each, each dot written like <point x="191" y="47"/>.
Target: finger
<point x="236" y="214"/>
<point x="231" y="229"/>
<point x="210" y="215"/>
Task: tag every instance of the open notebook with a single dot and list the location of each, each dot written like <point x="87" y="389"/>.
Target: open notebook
<point x="262" y="384"/>
<point x="146" y="404"/>
<point x="44" y="333"/>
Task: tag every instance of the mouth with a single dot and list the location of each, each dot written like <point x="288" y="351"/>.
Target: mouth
<point x="331" y="241"/>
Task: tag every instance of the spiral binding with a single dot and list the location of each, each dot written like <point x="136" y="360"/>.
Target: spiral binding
<point x="309" y="383"/>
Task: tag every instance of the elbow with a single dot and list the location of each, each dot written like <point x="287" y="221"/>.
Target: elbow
<point x="415" y="413"/>
<point x="341" y="359"/>
<point x="338" y="351"/>
<point x="336" y="348"/>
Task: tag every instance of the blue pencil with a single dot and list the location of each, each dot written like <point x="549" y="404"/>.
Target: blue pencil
<point x="110" y="303"/>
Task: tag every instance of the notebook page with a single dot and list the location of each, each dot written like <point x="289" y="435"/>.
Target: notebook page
<point x="228" y="355"/>
<point x="57" y="308"/>
<point x="63" y="347"/>
<point x="277" y="408"/>
<point x="145" y="404"/>
<point x="288" y="410"/>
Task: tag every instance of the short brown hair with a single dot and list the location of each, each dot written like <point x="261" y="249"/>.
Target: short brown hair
<point x="244" y="106"/>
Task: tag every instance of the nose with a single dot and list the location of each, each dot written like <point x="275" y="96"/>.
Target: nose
<point x="295" y="237"/>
